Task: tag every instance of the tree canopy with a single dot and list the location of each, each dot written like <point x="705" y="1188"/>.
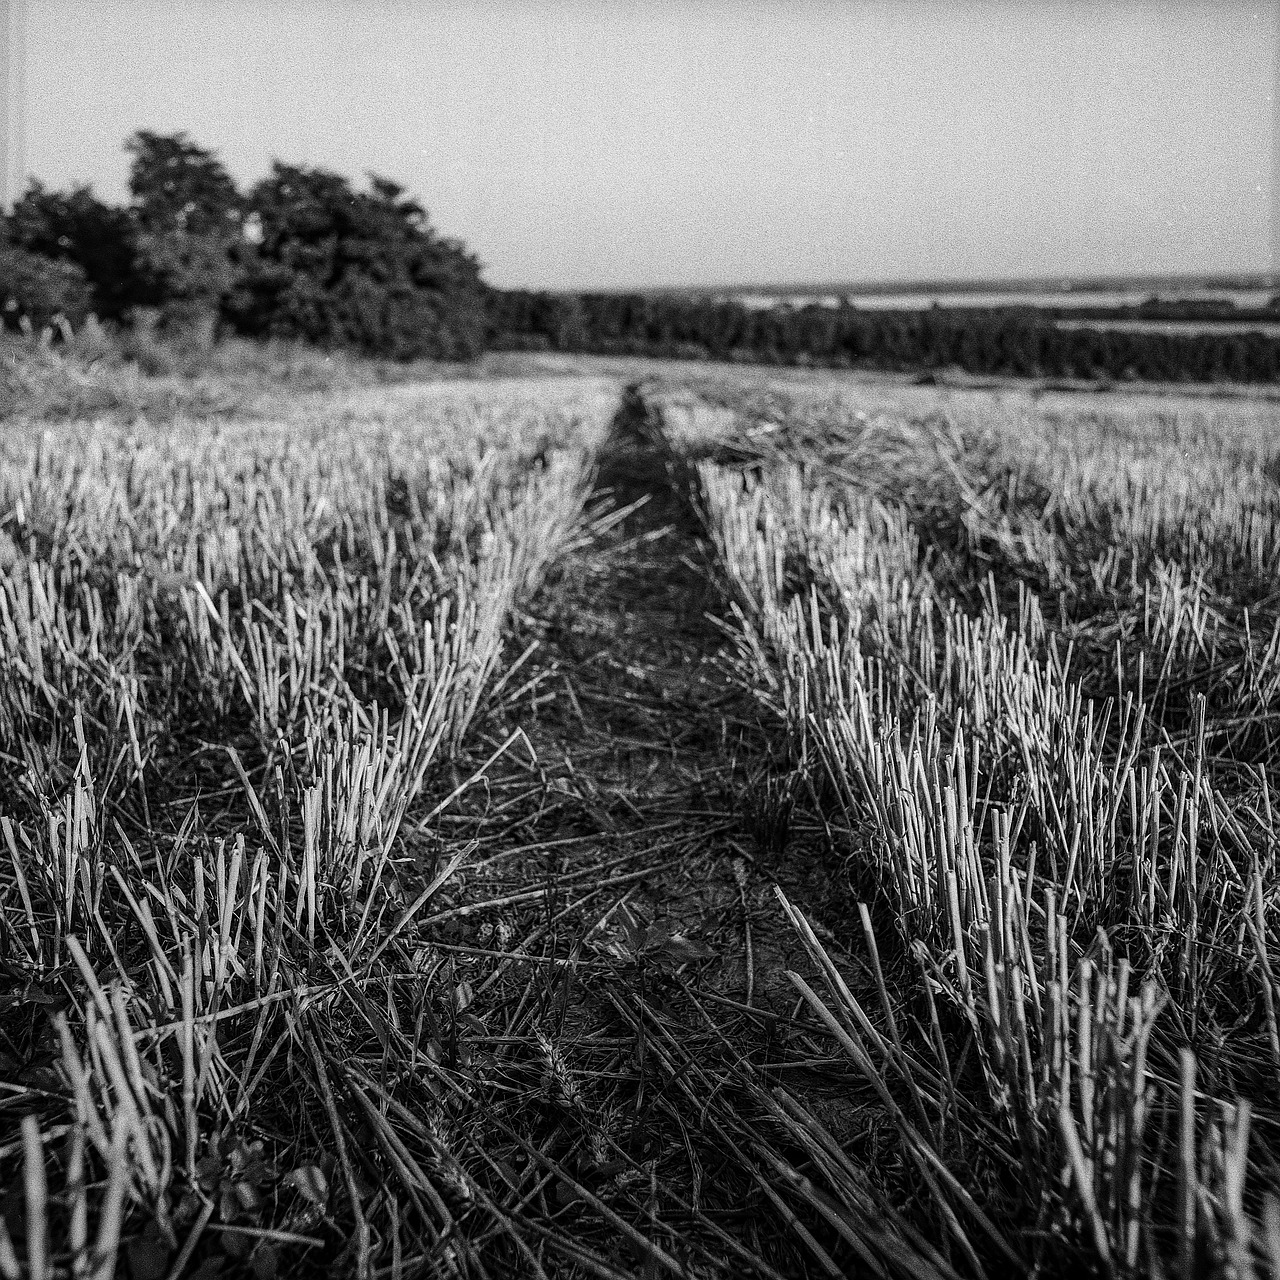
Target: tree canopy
<point x="302" y="254"/>
<point x="76" y="228"/>
<point x="361" y="269"/>
<point x="39" y="290"/>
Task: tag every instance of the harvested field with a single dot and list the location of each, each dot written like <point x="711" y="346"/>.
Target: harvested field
<point x="704" y="824"/>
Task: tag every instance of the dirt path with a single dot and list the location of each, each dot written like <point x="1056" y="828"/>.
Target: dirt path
<point x="632" y="867"/>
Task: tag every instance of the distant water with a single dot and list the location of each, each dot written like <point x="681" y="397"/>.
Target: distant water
<point x="1038" y="298"/>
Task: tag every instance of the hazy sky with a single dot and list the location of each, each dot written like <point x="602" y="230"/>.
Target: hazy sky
<point x="614" y="142"/>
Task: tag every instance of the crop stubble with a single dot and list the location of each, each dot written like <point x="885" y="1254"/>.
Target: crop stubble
<point x="394" y="805"/>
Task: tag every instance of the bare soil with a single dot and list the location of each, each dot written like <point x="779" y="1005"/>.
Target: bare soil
<point x="644" y="838"/>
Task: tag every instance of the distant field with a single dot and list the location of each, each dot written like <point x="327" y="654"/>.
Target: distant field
<point x="635" y="818"/>
<point x="914" y="297"/>
<point x="1249" y="298"/>
<point x="1271" y="328"/>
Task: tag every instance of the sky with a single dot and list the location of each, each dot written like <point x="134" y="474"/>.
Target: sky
<point x="621" y="143"/>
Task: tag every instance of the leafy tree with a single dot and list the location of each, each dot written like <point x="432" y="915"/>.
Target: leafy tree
<point x="75" y="227"/>
<point x="342" y="267"/>
<point x="179" y="186"/>
<point x="40" y="290"/>
<point x="189" y="218"/>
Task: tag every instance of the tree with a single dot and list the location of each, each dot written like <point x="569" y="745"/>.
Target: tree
<point x="75" y="227"/>
<point x="179" y="186"/>
<point x="341" y="267"/>
<point x="190" y="224"/>
<point x="40" y="290"/>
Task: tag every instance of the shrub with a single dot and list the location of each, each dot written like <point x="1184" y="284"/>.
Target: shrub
<point x="77" y="228"/>
<point x="40" y="291"/>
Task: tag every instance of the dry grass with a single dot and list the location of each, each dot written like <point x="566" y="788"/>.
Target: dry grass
<point x="1026" y="664"/>
<point x="238" y="666"/>
<point x="411" y="865"/>
<point x="126" y="375"/>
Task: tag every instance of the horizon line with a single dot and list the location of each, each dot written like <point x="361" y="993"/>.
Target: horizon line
<point x="1064" y="284"/>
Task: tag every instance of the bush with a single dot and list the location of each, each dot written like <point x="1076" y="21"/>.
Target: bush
<point x="38" y="292"/>
<point x="77" y="228"/>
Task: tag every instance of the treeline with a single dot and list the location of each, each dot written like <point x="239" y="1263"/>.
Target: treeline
<point x="1200" y="310"/>
<point x="1019" y="341"/>
<point x="304" y="255"/>
<point x="300" y="255"/>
